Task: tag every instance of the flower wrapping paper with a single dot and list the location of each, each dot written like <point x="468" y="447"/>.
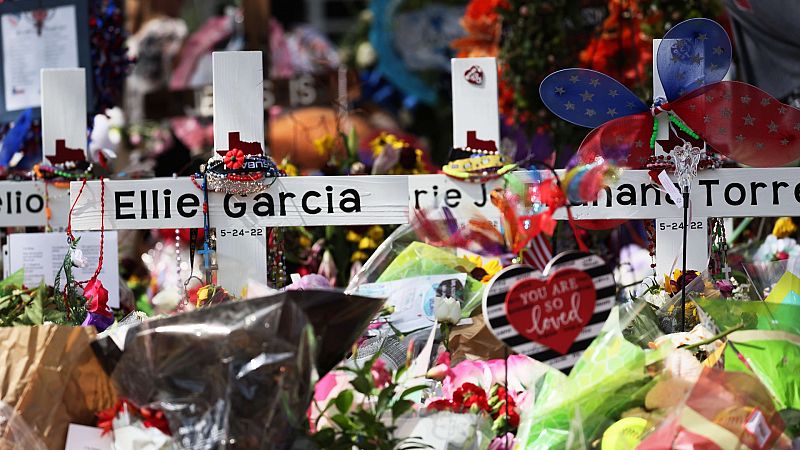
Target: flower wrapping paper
<point x="49" y="375"/>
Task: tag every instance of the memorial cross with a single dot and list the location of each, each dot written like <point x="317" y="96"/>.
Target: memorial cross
<point x="726" y="193"/>
<point x="34" y="203"/>
<point x="240" y="220"/>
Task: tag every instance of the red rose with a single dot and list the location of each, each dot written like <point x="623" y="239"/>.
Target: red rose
<point x="440" y="405"/>
<point x="478" y="402"/>
<point x="234" y="159"/>
<point x="513" y="415"/>
<point x="96" y="298"/>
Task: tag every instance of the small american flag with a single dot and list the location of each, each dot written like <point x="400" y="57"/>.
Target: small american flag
<point x="538" y="252"/>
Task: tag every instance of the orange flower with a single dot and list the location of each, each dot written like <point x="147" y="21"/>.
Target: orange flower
<point x="482" y="23"/>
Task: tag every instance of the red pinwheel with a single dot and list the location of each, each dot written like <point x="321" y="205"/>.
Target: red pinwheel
<point x="736" y="119"/>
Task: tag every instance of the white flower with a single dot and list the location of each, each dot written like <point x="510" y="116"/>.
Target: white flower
<point x="78" y="260"/>
<point x="365" y="55"/>
<point x="447" y="310"/>
<point x="657" y="299"/>
<point x="106" y="136"/>
<point x="166" y="301"/>
<point x="772" y="247"/>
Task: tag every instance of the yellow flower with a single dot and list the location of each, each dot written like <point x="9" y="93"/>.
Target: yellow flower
<point x="491" y="266"/>
<point x="352" y="236"/>
<point x="358" y="256"/>
<point x="385" y="139"/>
<point x="203" y="294"/>
<point x="289" y="168"/>
<point x="324" y="145"/>
<point x="784" y="227"/>
<point x="376" y="233"/>
<point x="367" y="244"/>
<point x="303" y="241"/>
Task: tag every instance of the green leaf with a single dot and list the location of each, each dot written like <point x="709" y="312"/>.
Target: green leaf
<point x="343" y="421"/>
<point x="412" y="389"/>
<point x="325" y="437"/>
<point x="362" y="384"/>
<point x="400" y="407"/>
<point x="383" y="400"/>
<point x="35" y="310"/>
<point x="344" y="401"/>
<point x="15" y="279"/>
<point x="352" y="143"/>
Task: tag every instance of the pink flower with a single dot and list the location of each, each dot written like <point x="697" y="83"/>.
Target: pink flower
<point x="380" y="375"/>
<point x="310" y="281"/>
<point x="327" y="267"/>
<point x="330" y="385"/>
<point x="97" y="298"/>
<point x="441" y="367"/>
<point x="523" y="372"/>
<point x="475" y="372"/>
<point x="502" y="442"/>
<point x="326" y="389"/>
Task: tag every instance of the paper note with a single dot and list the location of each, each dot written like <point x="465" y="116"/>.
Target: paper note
<point x="412" y="299"/>
<point x="42" y="255"/>
<point x="80" y="437"/>
<point x="33" y="40"/>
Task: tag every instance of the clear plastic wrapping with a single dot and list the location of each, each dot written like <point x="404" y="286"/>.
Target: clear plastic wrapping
<point x="402" y="256"/>
<point x="15" y="433"/>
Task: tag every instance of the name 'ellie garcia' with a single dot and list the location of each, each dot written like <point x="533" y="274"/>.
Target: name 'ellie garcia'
<point x="160" y="204"/>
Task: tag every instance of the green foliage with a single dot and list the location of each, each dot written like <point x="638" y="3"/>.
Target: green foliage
<point x="20" y="305"/>
<point x="28" y="306"/>
<point x="369" y="423"/>
<point x="539" y="37"/>
<point x="73" y="303"/>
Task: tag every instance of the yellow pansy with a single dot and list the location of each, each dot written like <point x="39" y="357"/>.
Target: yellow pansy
<point x="203" y="294"/>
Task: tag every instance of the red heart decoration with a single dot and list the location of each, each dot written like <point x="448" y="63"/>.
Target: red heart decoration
<point x="552" y="312"/>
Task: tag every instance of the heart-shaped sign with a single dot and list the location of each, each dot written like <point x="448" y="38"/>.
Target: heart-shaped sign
<point x="552" y="312"/>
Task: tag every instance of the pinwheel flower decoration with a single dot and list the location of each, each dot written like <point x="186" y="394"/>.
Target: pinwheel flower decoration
<point x="735" y="119"/>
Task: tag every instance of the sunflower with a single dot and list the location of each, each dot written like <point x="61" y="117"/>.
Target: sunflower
<point x="484" y="271"/>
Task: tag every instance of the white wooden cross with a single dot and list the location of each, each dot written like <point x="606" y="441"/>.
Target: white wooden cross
<point x="715" y="193"/>
<point x="63" y="106"/>
<point x="725" y="193"/>
<point x="475" y="109"/>
<point x="669" y="231"/>
<point x="291" y="201"/>
<point x="26" y="203"/>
